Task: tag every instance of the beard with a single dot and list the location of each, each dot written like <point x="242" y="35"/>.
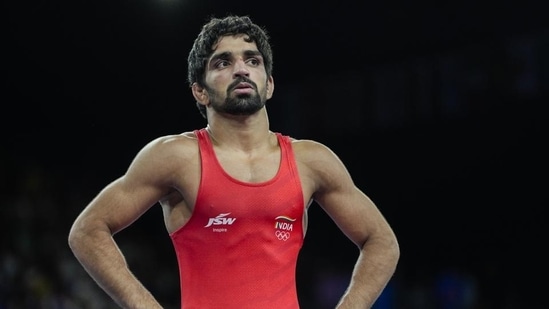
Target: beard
<point x="239" y="105"/>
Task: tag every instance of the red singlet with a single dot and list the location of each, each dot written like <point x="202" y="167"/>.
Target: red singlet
<point x="240" y="247"/>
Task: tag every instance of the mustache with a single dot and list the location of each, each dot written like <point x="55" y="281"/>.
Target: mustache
<point x="239" y="80"/>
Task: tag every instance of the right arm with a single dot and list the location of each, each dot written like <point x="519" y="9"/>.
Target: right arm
<point x="118" y="205"/>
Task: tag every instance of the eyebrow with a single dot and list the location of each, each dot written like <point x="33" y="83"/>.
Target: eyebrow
<point x="225" y="55"/>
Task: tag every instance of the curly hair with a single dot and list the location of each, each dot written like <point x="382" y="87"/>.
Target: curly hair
<point x="210" y="34"/>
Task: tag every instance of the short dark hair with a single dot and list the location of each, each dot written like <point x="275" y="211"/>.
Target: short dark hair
<point x="210" y="34"/>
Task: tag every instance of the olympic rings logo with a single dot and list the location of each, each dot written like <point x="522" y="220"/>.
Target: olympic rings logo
<point x="282" y="235"/>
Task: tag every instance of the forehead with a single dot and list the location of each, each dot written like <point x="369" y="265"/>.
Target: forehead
<point x="233" y="44"/>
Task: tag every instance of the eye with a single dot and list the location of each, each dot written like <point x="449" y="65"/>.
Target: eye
<point x="222" y="64"/>
<point x="253" y="61"/>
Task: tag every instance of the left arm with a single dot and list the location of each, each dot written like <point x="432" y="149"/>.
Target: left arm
<point x="379" y="250"/>
<point x="359" y="219"/>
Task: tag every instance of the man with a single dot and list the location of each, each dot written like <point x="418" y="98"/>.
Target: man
<point x="234" y="194"/>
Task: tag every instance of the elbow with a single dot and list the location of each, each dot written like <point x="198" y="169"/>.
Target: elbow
<point x="394" y="249"/>
<point x="85" y="232"/>
<point x="81" y="232"/>
<point x="392" y="246"/>
<point x="75" y="237"/>
<point x="385" y="245"/>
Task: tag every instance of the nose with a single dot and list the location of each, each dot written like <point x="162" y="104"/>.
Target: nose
<point x="240" y="69"/>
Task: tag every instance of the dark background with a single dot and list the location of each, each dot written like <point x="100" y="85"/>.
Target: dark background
<point x="439" y="112"/>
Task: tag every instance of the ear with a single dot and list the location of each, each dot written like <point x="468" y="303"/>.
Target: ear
<point x="200" y="94"/>
<point x="270" y="87"/>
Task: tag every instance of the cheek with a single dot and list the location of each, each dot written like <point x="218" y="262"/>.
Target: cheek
<point x="216" y="80"/>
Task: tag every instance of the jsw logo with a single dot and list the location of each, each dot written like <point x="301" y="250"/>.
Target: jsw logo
<point x="221" y="220"/>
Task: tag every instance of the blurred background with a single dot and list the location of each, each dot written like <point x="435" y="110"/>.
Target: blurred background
<point x="439" y="112"/>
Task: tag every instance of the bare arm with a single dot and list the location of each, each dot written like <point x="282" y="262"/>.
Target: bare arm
<point x="114" y="208"/>
<point x="378" y="257"/>
<point x="360" y="220"/>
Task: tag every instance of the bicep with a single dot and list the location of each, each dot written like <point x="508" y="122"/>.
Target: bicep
<point x="351" y="209"/>
<point x="125" y="199"/>
<point x="119" y="204"/>
<point x="353" y="212"/>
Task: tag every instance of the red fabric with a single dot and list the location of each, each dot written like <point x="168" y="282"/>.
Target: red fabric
<point x="240" y="247"/>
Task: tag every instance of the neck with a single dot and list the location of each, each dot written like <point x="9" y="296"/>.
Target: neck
<point x="246" y="135"/>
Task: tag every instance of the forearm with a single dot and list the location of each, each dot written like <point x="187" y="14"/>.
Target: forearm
<point x="104" y="262"/>
<point x="374" y="268"/>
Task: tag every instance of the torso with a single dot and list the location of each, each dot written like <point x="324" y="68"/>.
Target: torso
<point x="178" y="204"/>
<point x="247" y="206"/>
<point x="254" y="167"/>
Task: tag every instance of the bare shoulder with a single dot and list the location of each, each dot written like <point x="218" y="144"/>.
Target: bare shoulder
<point x="311" y="152"/>
<point x="168" y="145"/>
<point x="165" y="153"/>
<point x="319" y="167"/>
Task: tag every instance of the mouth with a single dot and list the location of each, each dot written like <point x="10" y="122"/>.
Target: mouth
<point x="243" y="88"/>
